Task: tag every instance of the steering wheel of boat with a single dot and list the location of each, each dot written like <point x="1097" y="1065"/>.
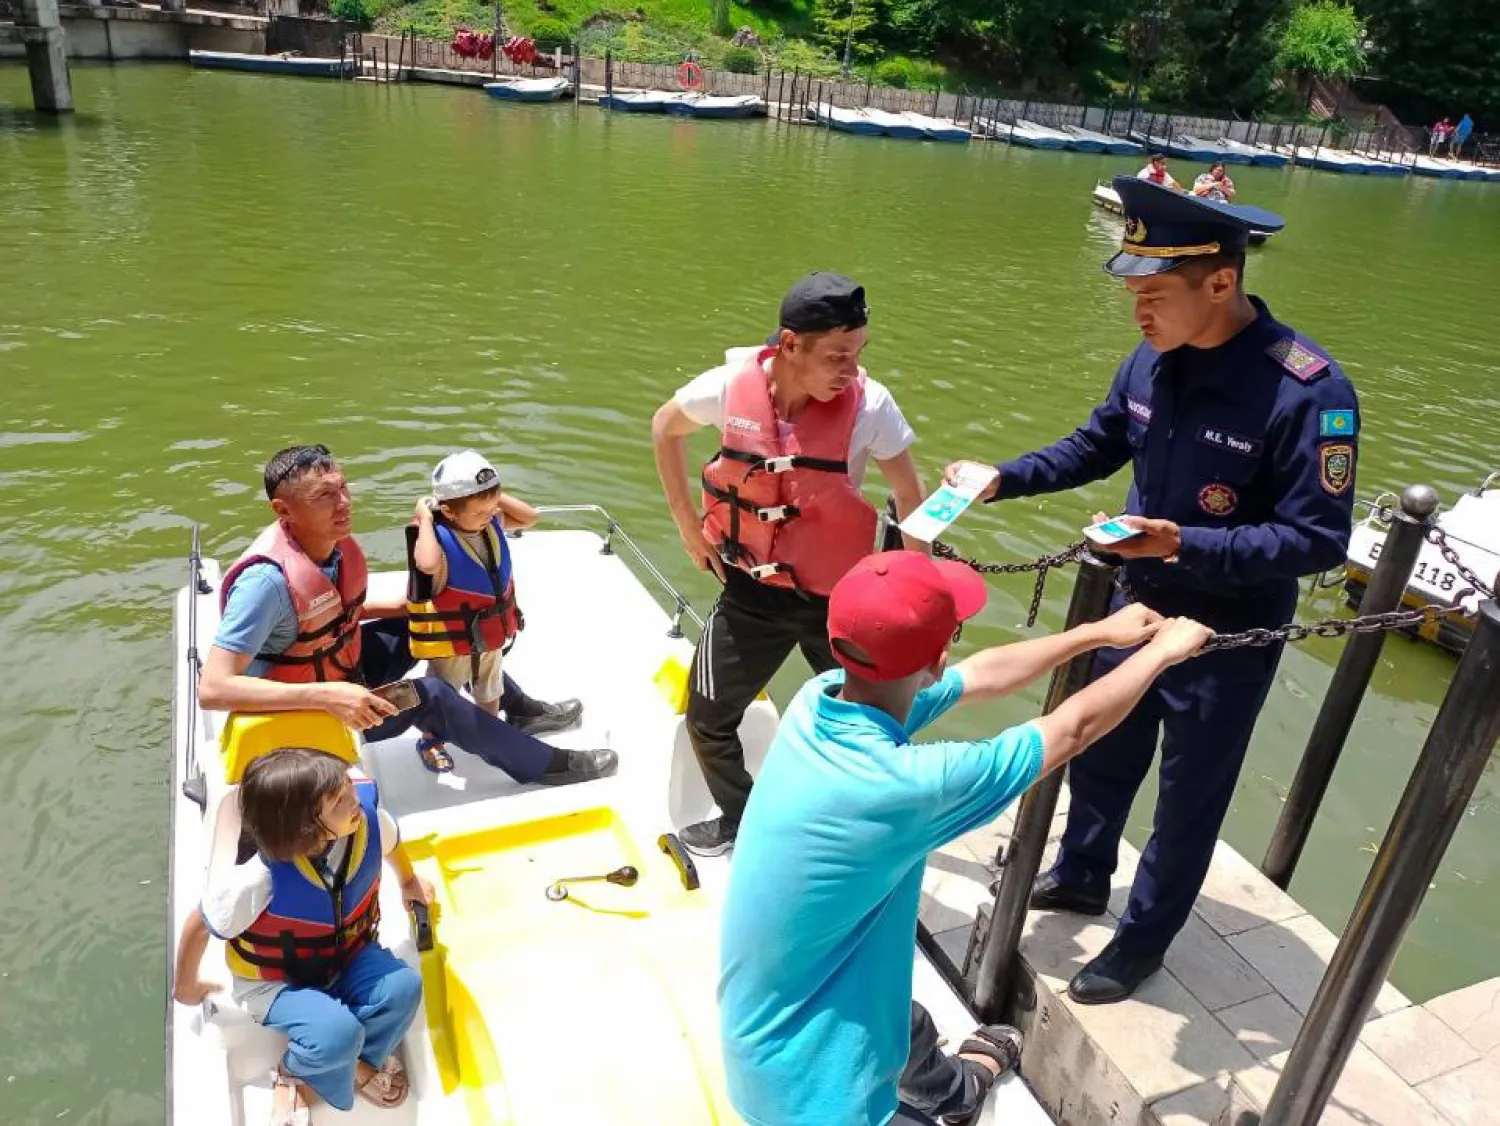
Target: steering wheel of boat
<point x="690" y="76"/>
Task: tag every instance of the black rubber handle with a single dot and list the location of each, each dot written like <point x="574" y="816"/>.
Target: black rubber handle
<point x="421" y="917"/>
<point x="686" y="869"/>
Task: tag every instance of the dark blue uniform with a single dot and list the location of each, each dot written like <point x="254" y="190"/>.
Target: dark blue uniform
<point x="1249" y="447"/>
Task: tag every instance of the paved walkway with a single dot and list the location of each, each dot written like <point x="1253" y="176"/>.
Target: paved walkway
<point x="1204" y="1040"/>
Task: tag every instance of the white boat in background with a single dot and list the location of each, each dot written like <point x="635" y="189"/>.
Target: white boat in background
<point x="643" y="101"/>
<point x="597" y="1009"/>
<point x="529" y="89"/>
<point x="705" y="105"/>
<point x="1472" y="528"/>
<point x="1090" y="140"/>
<point x="1027" y="134"/>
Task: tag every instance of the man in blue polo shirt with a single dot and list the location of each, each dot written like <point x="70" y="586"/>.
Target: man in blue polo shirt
<point x="815" y="988"/>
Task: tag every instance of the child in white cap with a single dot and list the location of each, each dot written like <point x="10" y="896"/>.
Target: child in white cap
<point x="461" y="602"/>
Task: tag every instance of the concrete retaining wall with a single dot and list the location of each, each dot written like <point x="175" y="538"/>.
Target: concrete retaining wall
<point x="123" y="34"/>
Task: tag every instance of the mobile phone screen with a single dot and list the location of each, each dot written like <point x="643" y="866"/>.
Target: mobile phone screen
<point x="1110" y="532"/>
<point x="400" y="693"/>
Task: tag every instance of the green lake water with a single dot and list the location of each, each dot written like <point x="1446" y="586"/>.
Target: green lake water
<point x="201" y="268"/>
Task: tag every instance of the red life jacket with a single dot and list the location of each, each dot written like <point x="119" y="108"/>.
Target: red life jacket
<point x="327" y="644"/>
<point x="479" y="598"/>
<point x="786" y="512"/>
<point x="316" y="922"/>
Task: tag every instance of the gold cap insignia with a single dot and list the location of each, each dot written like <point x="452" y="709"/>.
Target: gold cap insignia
<point x="1135" y="230"/>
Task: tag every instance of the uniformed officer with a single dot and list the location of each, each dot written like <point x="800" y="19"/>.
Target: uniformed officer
<point x="1242" y="437"/>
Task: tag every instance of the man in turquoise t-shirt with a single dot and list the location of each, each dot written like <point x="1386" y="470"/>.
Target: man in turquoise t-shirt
<point x="815" y="987"/>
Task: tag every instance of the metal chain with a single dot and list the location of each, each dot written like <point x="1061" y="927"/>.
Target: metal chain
<point x="1292" y="632"/>
<point x="1436" y="537"/>
<point x="1041" y="565"/>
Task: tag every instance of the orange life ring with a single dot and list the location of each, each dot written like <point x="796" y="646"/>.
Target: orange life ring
<point x="690" y="76"/>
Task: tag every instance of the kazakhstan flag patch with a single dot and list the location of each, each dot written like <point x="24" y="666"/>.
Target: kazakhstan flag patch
<point x="1336" y="424"/>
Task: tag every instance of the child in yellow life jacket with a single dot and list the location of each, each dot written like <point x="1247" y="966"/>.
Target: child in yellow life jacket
<point x="299" y="924"/>
<point x="461" y="599"/>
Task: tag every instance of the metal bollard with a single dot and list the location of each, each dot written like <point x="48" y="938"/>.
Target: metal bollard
<point x="1002" y="943"/>
<point x="1347" y="688"/>
<point x="1452" y="761"/>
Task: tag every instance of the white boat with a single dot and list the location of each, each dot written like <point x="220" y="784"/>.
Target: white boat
<point x="1027" y="134"/>
<point x="732" y="106"/>
<point x="644" y="101"/>
<point x="937" y="128"/>
<point x="529" y="89"/>
<point x="596" y="1010"/>
<point x="1091" y="140"/>
<point x="843" y="120"/>
<point x="1472" y="528"/>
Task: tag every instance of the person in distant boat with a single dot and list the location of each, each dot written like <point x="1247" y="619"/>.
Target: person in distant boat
<point x="461" y="599"/>
<point x="817" y="1019"/>
<point x="1156" y="172"/>
<point x="1215" y="184"/>
<point x="303" y="958"/>
<point x="290" y="637"/>
<point x="1242" y="436"/>
<point x="783" y="517"/>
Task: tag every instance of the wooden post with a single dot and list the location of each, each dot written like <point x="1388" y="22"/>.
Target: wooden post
<point x="609" y="71"/>
<point x="937" y="96"/>
<point x="780" y="90"/>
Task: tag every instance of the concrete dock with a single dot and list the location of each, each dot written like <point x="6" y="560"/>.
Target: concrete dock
<point x="1204" y="1040"/>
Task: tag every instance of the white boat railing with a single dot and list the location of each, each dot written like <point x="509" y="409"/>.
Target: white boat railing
<point x="614" y="529"/>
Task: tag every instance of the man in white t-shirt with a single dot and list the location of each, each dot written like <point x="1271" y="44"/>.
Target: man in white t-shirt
<point x="783" y="518"/>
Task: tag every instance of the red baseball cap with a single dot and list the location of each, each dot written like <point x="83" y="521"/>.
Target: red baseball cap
<point x="901" y="609"/>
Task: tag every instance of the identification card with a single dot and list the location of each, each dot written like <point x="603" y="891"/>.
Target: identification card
<point x="946" y="505"/>
<point x="1110" y="532"/>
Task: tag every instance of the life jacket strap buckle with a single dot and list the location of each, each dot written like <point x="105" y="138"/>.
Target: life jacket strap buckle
<point x="765" y="571"/>
<point x="782" y="464"/>
<point x="776" y="513"/>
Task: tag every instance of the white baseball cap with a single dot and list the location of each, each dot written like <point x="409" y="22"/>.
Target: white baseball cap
<point x="462" y="475"/>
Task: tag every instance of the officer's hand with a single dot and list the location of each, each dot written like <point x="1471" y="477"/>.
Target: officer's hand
<point x="355" y="704"/>
<point x="194" y="991"/>
<point x="1128" y="626"/>
<point x="1177" y="640"/>
<point x="700" y="550"/>
<point x="1162" y="539"/>
<point x="976" y="468"/>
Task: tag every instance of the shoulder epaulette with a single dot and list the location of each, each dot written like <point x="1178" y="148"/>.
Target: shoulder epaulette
<point x="1300" y="361"/>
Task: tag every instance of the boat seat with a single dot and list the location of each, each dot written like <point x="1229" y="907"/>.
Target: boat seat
<point x="247" y="736"/>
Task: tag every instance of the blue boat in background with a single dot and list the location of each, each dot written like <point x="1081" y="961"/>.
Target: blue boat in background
<point x="303" y="65"/>
<point x="1253" y="155"/>
<point x="843" y="120"/>
<point x="738" y="106"/>
<point x="1088" y="140"/>
<point x="643" y="101"/>
<point x="530" y="89"/>
<point x="1189" y="147"/>
<point x="1027" y="134"/>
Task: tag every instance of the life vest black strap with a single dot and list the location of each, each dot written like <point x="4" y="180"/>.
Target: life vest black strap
<point x="769" y="514"/>
<point x="783" y="463"/>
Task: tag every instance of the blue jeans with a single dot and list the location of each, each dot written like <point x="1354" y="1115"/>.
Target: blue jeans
<point x="361" y="1016"/>
<point x="385" y="655"/>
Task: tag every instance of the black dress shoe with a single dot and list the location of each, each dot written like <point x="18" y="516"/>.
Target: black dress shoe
<point x="1111" y="977"/>
<point x="551" y="717"/>
<point x="1051" y="894"/>
<point x="709" y="838"/>
<point x="581" y="766"/>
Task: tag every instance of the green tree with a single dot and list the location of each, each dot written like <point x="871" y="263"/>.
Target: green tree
<point x="852" y="23"/>
<point x="1323" y="39"/>
<point x="1435" y="58"/>
<point x="719" y="17"/>
<point x="1220" y="56"/>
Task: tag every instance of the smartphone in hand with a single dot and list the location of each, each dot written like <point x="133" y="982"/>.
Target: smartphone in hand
<point x="1110" y="532"/>
<point x="401" y="694"/>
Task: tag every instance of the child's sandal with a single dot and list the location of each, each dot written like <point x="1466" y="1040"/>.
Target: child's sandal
<point x="388" y="1087"/>
<point x="434" y="755"/>
<point x="298" y="1113"/>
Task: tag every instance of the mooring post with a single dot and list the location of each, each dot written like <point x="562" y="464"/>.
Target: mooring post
<point x="609" y="82"/>
<point x="46" y="56"/>
<point x="1002" y="943"/>
<point x="1437" y="796"/>
<point x="1398" y="555"/>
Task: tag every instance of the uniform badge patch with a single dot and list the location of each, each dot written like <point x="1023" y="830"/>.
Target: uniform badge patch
<point x="1336" y="467"/>
<point x="1336" y="424"/>
<point x="1135" y="230"/>
<point x="1138" y="409"/>
<point x="1304" y="364"/>
<point x="1217" y="499"/>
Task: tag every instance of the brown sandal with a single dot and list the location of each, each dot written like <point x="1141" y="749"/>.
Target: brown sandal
<point x="299" y="1113"/>
<point x="388" y="1087"/>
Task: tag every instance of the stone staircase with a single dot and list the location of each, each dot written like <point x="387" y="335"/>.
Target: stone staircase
<point x="1204" y="1040"/>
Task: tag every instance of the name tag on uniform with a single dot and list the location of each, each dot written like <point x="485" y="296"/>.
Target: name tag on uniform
<point x="1140" y="411"/>
<point x="1235" y="443"/>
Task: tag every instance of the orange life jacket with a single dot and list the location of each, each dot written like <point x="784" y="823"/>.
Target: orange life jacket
<point x="785" y="511"/>
<point x="316" y="921"/>
<point x="327" y="644"/>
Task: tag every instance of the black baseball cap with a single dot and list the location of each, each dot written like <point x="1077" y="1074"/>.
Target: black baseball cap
<point x="823" y="302"/>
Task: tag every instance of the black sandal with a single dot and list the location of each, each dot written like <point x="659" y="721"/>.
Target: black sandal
<point x="999" y="1043"/>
